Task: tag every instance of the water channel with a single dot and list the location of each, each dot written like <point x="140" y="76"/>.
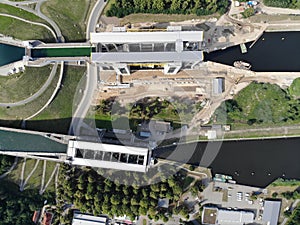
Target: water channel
<point x="10" y="53"/>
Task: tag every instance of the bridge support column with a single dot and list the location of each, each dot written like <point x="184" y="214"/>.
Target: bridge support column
<point x="172" y="68"/>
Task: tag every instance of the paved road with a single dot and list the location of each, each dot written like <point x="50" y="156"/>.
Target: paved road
<point x="86" y="100"/>
<point x="94" y="16"/>
<point x="60" y="38"/>
<point x="275" y="10"/>
<point x="35" y="95"/>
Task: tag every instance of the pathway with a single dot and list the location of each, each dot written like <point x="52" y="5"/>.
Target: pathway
<point x="43" y="189"/>
<point x="35" y="95"/>
<point x="23" y="183"/>
<point x="94" y="16"/>
<point x="39" y="14"/>
<point x="10" y="169"/>
<point x="53" y="94"/>
<point x="28" y="21"/>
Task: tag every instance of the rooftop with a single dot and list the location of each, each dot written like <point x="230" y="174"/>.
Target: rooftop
<point x="83" y="219"/>
<point x="271" y="212"/>
<point x="146" y="37"/>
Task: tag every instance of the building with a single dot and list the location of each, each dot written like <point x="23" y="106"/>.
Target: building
<point x="212" y="215"/>
<point x="218" y="85"/>
<point x="84" y="219"/>
<point x="271" y="212"/>
<point x="108" y="156"/>
<point x="169" y="50"/>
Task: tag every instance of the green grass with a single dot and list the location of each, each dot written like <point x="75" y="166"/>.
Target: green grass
<point x="259" y="104"/>
<point x="57" y="116"/>
<point x="11" y="10"/>
<point x="13" y="116"/>
<point x="282" y="182"/>
<point x="24" y="31"/>
<point x="70" y="16"/>
<point x="22" y="85"/>
<point x="294" y="89"/>
<point x="187" y="181"/>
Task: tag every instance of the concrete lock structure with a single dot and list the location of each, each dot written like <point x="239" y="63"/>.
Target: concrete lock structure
<point x="169" y="50"/>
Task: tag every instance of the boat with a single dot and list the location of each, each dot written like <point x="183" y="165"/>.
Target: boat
<point x="242" y="65"/>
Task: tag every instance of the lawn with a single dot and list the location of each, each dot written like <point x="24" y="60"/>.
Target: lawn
<point x="294" y="89"/>
<point x="12" y="116"/>
<point x="70" y="16"/>
<point x="259" y="104"/>
<point x="57" y="116"/>
<point x="24" y="31"/>
<point x="187" y="181"/>
<point x="22" y="85"/>
<point x="11" y="10"/>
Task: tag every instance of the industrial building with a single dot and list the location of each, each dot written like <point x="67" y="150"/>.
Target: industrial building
<point x="168" y="50"/>
<point x="271" y="212"/>
<point x="85" y="219"/>
<point x="212" y="215"/>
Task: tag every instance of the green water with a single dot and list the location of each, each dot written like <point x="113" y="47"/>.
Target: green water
<point x="61" y="52"/>
<point x="10" y="53"/>
<point x="24" y="142"/>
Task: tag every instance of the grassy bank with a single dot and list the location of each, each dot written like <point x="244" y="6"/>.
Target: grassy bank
<point x="57" y="116"/>
<point x="259" y="105"/>
<point x="24" y="31"/>
<point x="22" y="85"/>
<point x="11" y="10"/>
<point x="70" y="16"/>
<point x="12" y="116"/>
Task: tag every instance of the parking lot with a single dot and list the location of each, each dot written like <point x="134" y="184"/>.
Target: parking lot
<point x="233" y="196"/>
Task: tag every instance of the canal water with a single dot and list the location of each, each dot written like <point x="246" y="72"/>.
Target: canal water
<point x="24" y="142"/>
<point x="62" y="52"/>
<point x="251" y="162"/>
<point x="273" y="52"/>
<point x="10" y="53"/>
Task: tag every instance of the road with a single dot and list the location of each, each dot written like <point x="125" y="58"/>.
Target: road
<point x="86" y="100"/>
<point x="94" y="16"/>
<point x="35" y="95"/>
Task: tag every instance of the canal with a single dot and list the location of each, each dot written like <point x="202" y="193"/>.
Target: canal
<point x="251" y="162"/>
<point x="273" y="52"/>
<point x="10" y="53"/>
<point x="62" y="52"/>
<point x="24" y="142"/>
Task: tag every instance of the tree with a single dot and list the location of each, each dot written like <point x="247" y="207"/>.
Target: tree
<point x="248" y="12"/>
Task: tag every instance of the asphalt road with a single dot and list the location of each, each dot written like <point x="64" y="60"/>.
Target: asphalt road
<point x="94" y="16"/>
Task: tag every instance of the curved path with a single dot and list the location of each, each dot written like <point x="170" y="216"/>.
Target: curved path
<point x="53" y="94"/>
<point x="94" y="16"/>
<point x="27" y="21"/>
<point x="35" y="95"/>
<point x="10" y="169"/>
<point x="39" y="14"/>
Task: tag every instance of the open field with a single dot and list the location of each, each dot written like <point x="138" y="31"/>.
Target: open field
<point x="13" y="116"/>
<point x="61" y="107"/>
<point x="24" y="31"/>
<point x="20" y="86"/>
<point x="70" y="16"/>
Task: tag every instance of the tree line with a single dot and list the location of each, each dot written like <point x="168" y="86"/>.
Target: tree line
<point x="122" y="8"/>
<point x="282" y="3"/>
<point x="96" y="194"/>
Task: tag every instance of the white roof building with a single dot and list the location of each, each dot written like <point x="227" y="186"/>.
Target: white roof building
<point x="108" y="156"/>
<point x="146" y="37"/>
<point x="271" y="212"/>
<point x="83" y="219"/>
<point x="230" y="217"/>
